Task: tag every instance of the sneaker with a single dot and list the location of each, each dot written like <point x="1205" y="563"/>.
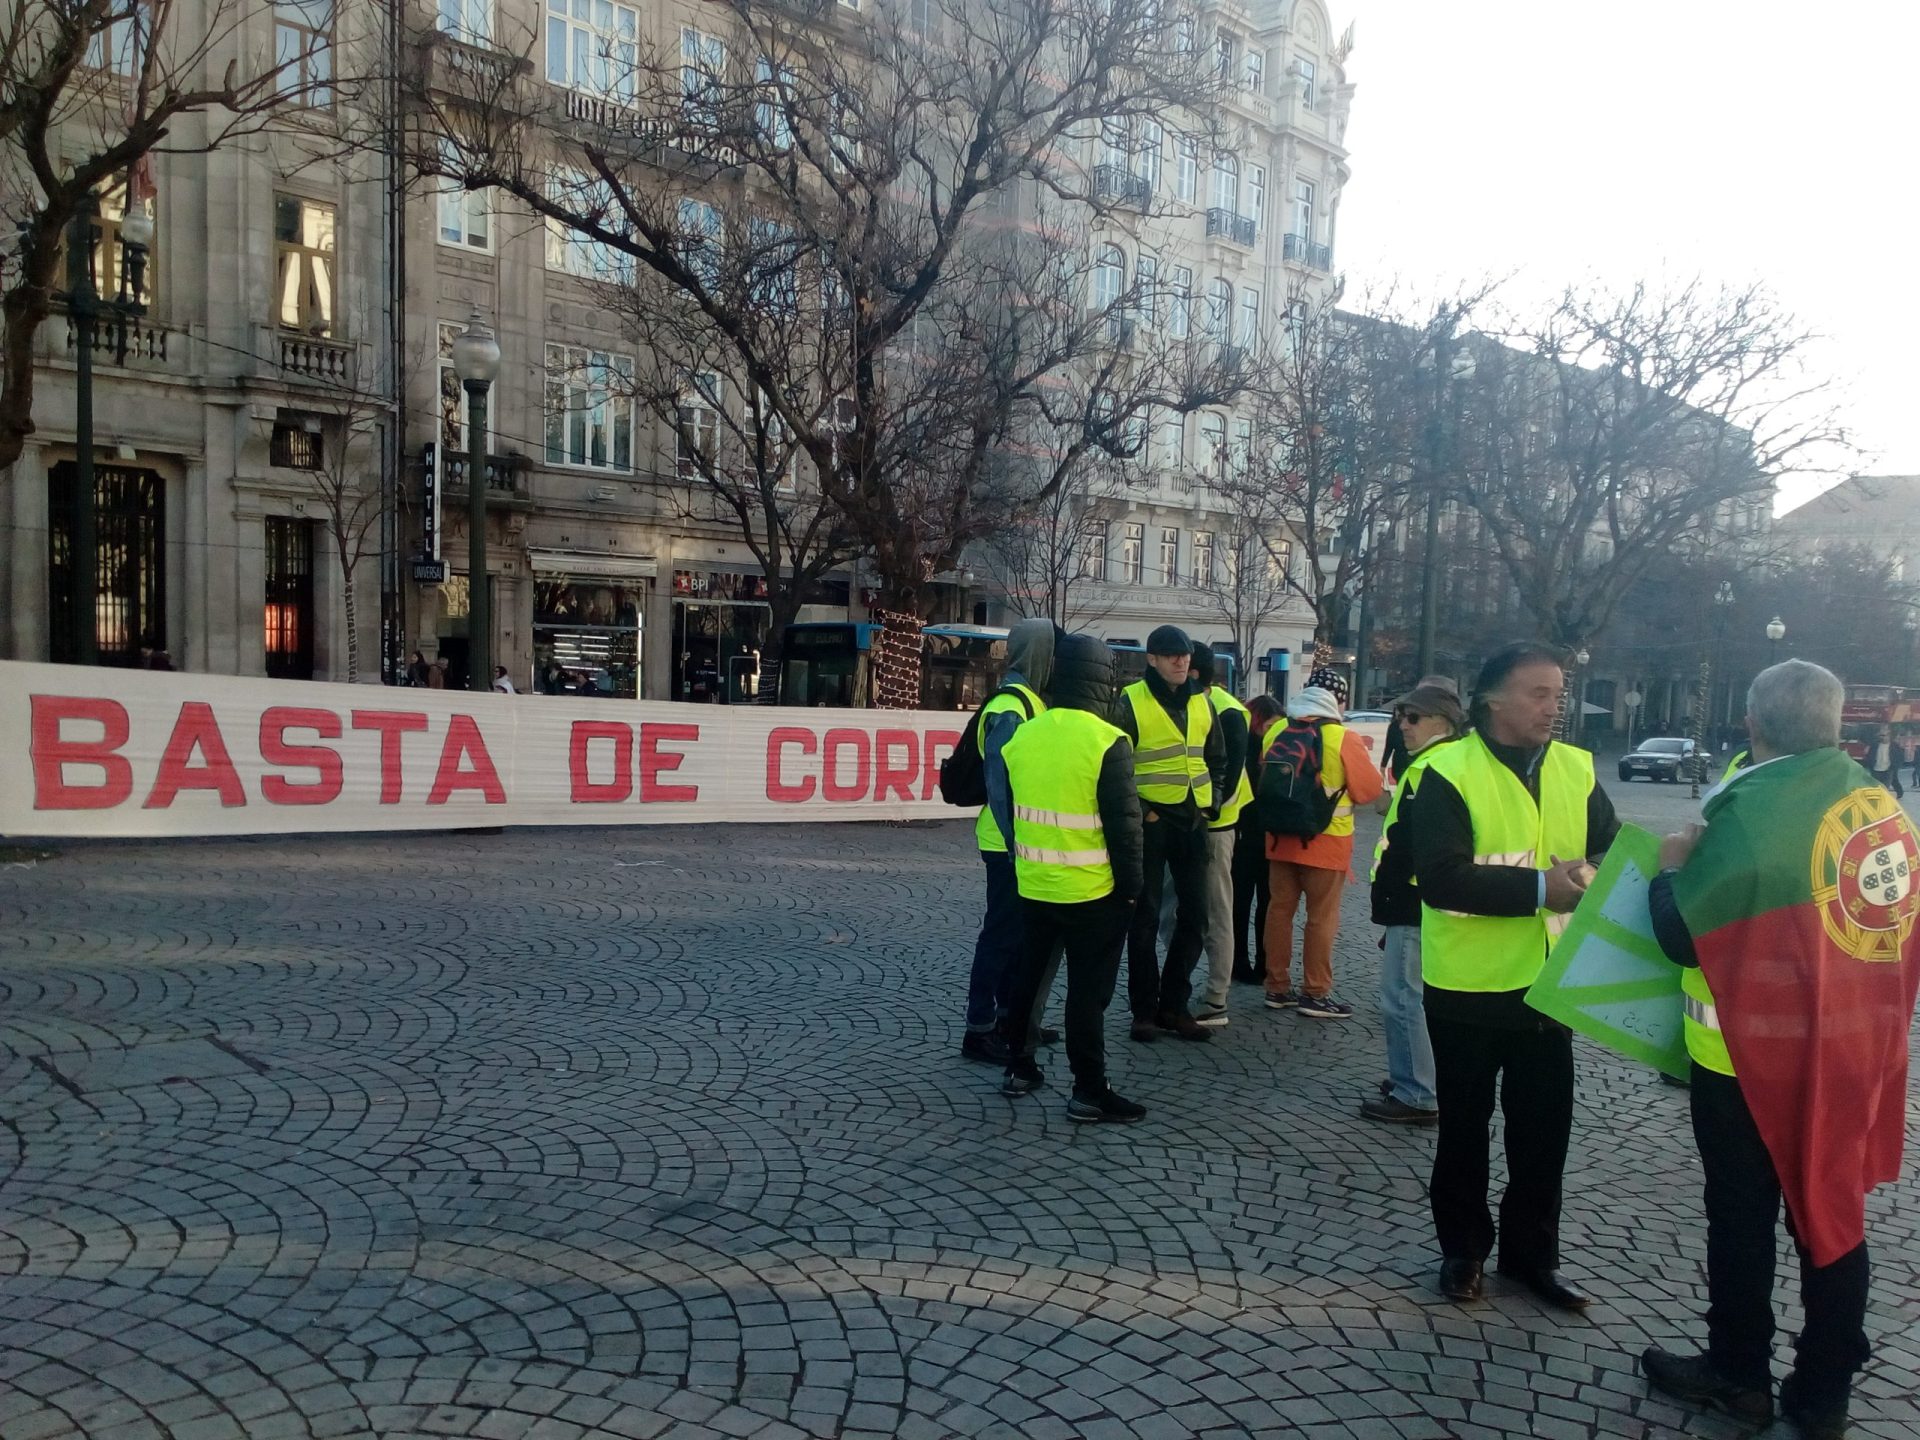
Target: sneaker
<point x="1184" y="1025"/>
<point x="1104" y="1108"/>
<point x="1211" y="1017"/>
<point x="1390" y="1111"/>
<point x="1144" y="1031"/>
<point x="1695" y="1380"/>
<point x="1281" y="999"/>
<point x="984" y="1047"/>
<point x="1324" y="1007"/>
<point x="1023" y="1078"/>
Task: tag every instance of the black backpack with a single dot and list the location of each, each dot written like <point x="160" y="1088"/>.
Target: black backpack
<point x="963" y="774"/>
<point x="1291" y="800"/>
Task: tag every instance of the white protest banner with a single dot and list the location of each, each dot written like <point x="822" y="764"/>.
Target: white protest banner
<point x="105" y="752"/>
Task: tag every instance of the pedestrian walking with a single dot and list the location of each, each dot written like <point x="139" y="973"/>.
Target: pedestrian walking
<point x="1250" y="881"/>
<point x="1886" y="767"/>
<point x="1908" y="746"/>
<point x="1071" y="814"/>
<point x="1793" y="912"/>
<point x="1179" y="767"/>
<point x="1309" y="866"/>
<point x="1427" y="717"/>
<point x="1020" y="698"/>
<point x="1498" y="829"/>
<point x="501" y="682"/>
<point x="417" y="669"/>
<point x="1232" y="720"/>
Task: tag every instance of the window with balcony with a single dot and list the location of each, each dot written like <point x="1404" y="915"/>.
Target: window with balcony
<point x="1109" y="278"/>
<point x="1201" y="552"/>
<point x="1169" y="555"/>
<point x="1249" y="339"/>
<point x="466" y="216"/>
<point x="698" y="430"/>
<point x="1305" y="72"/>
<point x="109" y="266"/>
<point x="303" y="247"/>
<point x="1115" y="150"/>
<point x="303" y="51"/>
<point x="1240" y="457"/>
<point x="594" y="46"/>
<point x="772" y="114"/>
<point x="703" y="241"/>
<point x="1226" y="183"/>
<point x="703" y="72"/>
<point x="1303" y="201"/>
<point x="1296" y="327"/>
<point x="468" y="20"/>
<point x="1225" y="48"/>
<point x="576" y="254"/>
<point x="1171" y="440"/>
<point x="1153" y="138"/>
<point x="1256" y="193"/>
<point x="1254" y="77"/>
<point x="1133" y="542"/>
<point x="1146" y="278"/>
<point x="1180" y="302"/>
<point x="1186" y="168"/>
<point x="1093" y="558"/>
<point x="589" y="408"/>
<point x="1212" y="458"/>
<point x="1219" y="319"/>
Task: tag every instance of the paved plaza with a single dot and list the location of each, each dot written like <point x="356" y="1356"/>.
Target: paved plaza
<point x="574" y="1133"/>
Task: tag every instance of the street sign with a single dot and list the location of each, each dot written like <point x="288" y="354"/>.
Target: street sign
<point x="430" y="508"/>
<point x="429" y="572"/>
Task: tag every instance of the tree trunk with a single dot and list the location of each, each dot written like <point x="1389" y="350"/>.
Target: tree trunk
<point x="782" y="609"/>
<point x="353" y="621"/>
<point x="896" y="660"/>
<point x="26" y="308"/>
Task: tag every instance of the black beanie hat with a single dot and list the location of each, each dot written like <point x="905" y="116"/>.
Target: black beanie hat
<point x="1202" y="662"/>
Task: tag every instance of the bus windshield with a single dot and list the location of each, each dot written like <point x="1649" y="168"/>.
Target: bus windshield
<point x="823" y="666"/>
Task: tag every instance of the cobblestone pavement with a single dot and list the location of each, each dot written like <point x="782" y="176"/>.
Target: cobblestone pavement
<point x="570" y="1133"/>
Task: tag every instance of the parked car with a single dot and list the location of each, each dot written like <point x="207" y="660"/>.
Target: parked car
<point x="1667" y="758"/>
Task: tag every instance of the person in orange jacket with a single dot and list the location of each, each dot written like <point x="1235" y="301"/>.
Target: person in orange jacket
<point x="1316" y="870"/>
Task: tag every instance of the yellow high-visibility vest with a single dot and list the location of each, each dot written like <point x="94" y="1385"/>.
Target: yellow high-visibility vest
<point x="985" y="832"/>
<point x="1222" y="702"/>
<point x="1059" y="845"/>
<point x="1168" y="766"/>
<point x="1705" y="1043"/>
<point x="1487" y="953"/>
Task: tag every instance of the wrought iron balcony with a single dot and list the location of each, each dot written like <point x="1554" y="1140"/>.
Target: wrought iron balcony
<point x="1115" y="182"/>
<point x="1305" y="252"/>
<point x="1241" y="229"/>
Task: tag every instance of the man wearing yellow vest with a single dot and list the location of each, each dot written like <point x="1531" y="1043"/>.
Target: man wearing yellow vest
<point x="1179" y="766"/>
<point x="1794" y="912"/>
<point x="1029" y="666"/>
<point x="1231" y="720"/>
<point x="1500" y="829"/>
<point x="1073" y="821"/>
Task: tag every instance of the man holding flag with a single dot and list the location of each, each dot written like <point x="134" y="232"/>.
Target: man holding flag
<point x="1794" y="909"/>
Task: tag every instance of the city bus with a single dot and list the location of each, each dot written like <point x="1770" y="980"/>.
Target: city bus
<point x="1868" y="707"/>
<point x="828" y="663"/>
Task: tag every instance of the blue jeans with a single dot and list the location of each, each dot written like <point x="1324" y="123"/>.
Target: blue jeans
<point x="1409" y="1051"/>
<point x="997" y="950"/>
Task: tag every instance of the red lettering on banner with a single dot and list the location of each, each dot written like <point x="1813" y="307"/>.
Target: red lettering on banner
<point x="391" y="724"/>
<point x="463" y="742"/>
<point x="586" y="790"/>
<point x="939" y="744"/>
<point x="890" y="778"/>
<point x="836" y="741"/>
<point x="778" y="739"/>
<point x="323" y="760"/>
<point x="653" y="764"/>
<point x="196" y="730"/>
<point x="52" y="752"/>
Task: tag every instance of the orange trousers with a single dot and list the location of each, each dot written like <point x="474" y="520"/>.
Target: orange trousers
<point x="1320" y="887"/>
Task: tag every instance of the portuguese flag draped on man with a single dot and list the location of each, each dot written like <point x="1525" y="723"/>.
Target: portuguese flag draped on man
<point x="1813" y="968"/>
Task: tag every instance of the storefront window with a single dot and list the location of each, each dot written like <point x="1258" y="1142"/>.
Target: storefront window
<point x="586" y="638"/>
<point x="720" y="624"/>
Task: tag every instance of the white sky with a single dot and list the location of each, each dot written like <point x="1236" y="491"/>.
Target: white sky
<point x="1735" y="139"/>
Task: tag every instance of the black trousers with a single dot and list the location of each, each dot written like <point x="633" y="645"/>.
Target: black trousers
<point x="1743" y="1210"/>
<point x="1250" y="894"/>
<point x="1153" y="988"/>
<point x="1532" y="1069"/>
<point x="1092" y="934"/>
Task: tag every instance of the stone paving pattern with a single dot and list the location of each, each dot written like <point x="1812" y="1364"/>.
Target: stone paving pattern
<point x="567" y="1134"/>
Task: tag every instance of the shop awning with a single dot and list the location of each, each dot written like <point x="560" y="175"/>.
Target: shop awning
<point x="579" y="565"/>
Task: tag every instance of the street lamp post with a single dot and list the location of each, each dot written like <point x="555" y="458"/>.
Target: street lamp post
<point x="87" y="308"/>
<point x="476" y="360"/>
<point x="1722" y="603"/>
<point x="1581" y="657"/>
<point x="1776" y="632"/>
<point x="1632" y="699"/>
<point x="1459" y="370"/>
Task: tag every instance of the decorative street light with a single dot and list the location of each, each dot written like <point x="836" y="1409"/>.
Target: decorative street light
<point x="1459" y="371"/>
<point x="1776" y="632"/>
<point x="1581" y="658"/>
<point x="476" y="360"/>
<point x="1633" y="699"/>
<point x="1703" y="713"/>
<point x="88" y="308"/>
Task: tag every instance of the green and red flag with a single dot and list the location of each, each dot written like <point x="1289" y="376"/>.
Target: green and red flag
<point x="1802" y="897"/>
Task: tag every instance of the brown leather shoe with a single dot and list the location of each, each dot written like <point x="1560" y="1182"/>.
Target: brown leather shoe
<point x="1185" y="1026"/>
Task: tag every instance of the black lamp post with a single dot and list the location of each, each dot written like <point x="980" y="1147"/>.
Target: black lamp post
<point x="88" y="308"/>
<point x="476" y="360"/>
<point x="1776" y="632"/>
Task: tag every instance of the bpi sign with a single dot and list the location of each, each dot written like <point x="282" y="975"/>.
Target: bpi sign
<point x="88" y="751"/>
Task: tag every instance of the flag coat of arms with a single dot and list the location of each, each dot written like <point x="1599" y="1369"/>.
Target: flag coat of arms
<point x="1802" y="898"/>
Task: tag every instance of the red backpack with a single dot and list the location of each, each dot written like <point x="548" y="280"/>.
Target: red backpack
<point x="1291" y="800"/>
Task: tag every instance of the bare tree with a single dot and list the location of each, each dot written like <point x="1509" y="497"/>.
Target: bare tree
<point x="922" y="178"/>
<point x="1049" y="556"/>
<point x="90" y="90"/>
<point x="1613" y="433"/>
<point x="1247" y="580"/>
